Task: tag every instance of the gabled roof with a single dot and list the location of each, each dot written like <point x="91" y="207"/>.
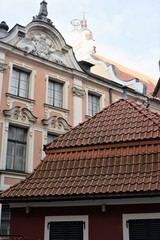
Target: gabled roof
<point x="115" y="153"/>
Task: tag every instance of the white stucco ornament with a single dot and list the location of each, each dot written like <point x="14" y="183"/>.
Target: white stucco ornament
<point x="41" y="45"/>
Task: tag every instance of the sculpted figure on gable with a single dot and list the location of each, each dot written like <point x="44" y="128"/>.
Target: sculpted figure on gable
<point x="42" y="46"/>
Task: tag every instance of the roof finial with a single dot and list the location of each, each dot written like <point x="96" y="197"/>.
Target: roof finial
<point x="43" y="13"/>
<point x="84" y="21"/>
<point x="43" y="9"/>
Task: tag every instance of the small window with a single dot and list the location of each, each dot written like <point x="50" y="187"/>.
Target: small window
<point x="16" y="149"/>
<point x="70" y="230"/>
<point x="20" y="83"/>
<point x="51" y="137"/>
<point x="55" y="94"/>
<point x="93" y="104"/>
<point x="5" y="220"/>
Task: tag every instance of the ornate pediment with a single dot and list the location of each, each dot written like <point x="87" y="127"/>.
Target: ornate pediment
<point x="22" y="115"/>
<point x="56" y="123"/>
<point x="41" y="45"/>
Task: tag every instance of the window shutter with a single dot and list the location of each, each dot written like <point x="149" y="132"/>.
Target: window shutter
<point x="144" y="229"/>
<point x="137" y="230"/>
<point x="68" y="230"/>
<point x="155" y="229"/>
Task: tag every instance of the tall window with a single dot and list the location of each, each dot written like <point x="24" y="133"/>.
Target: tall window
<point x="55" y="93"/>
<point x="16" y="149"/>
<point x="93" y="104"/>
<point x="5" y="220"/>
<point x="20" y="83"/>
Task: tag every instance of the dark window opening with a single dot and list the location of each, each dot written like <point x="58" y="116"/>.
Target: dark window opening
<point x="5" y="220"/>
<point x="68" y="230"/>
<point x="144" y="229"/>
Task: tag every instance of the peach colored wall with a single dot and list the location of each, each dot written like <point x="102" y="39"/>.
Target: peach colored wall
<point x="37" y="148"/>
<point x="39" y="87"/>
<point x="39" y="97"/>
<point x="11" y="181"/>
<point x="1" y="127"/>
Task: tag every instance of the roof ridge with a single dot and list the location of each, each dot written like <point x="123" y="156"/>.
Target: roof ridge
<point x="148" y="112"/>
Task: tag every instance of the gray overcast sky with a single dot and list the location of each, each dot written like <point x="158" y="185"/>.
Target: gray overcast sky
<point x="125" y="31"/>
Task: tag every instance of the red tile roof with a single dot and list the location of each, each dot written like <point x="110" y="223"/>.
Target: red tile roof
<point x="123" y="75"/>
<point x="122" y="121"/>
<point x="114" y="153"/>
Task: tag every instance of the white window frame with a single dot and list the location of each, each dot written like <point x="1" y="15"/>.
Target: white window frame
<point x="32" y="75"/>
<point x="98" y="94"/>
<point x="83" y="218"/>
<point x="29" y="145"/>
<point x="60" y="80"/>
<point x="127" y="217"/>
<point x="15" y="141"/>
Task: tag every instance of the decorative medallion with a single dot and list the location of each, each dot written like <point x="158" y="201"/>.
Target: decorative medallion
<point x="41" y="45"/>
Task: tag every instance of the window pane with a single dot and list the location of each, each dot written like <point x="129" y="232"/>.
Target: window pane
<point x="5" y="212"/>
<point x="23" y="91"/>
<point x="20" y="83"/>
<point x="16" y="149"/>
<point x="5" y="220"/>
<point x="12" y="133"/>
<point x="93" y="104"/>
<point x="20" y="156"/>
<point x="10" y="155"/>
<point x="21" y="134"/>
<point x="5" y="228"/>
<point x="55" y="93"/>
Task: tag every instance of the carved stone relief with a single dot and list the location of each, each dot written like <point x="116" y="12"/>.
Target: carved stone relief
<point x="78" y="91"/>
<point x="22" y="115"/>
<point x="3" y="66"/>
<point x="42" y="46"/>
<point x="56" y="123"/>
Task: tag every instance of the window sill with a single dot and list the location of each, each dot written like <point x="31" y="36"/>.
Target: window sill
<point x="56" y="108"/>
<point x="20" y="98"/>
<point x="88" y="117"/>
<point x="13" y="172"/>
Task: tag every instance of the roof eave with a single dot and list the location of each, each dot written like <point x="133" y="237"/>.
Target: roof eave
<point x="140" y="195"/>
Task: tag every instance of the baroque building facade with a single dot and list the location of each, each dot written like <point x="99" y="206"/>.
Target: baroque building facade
<point x="44" y="92"/>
